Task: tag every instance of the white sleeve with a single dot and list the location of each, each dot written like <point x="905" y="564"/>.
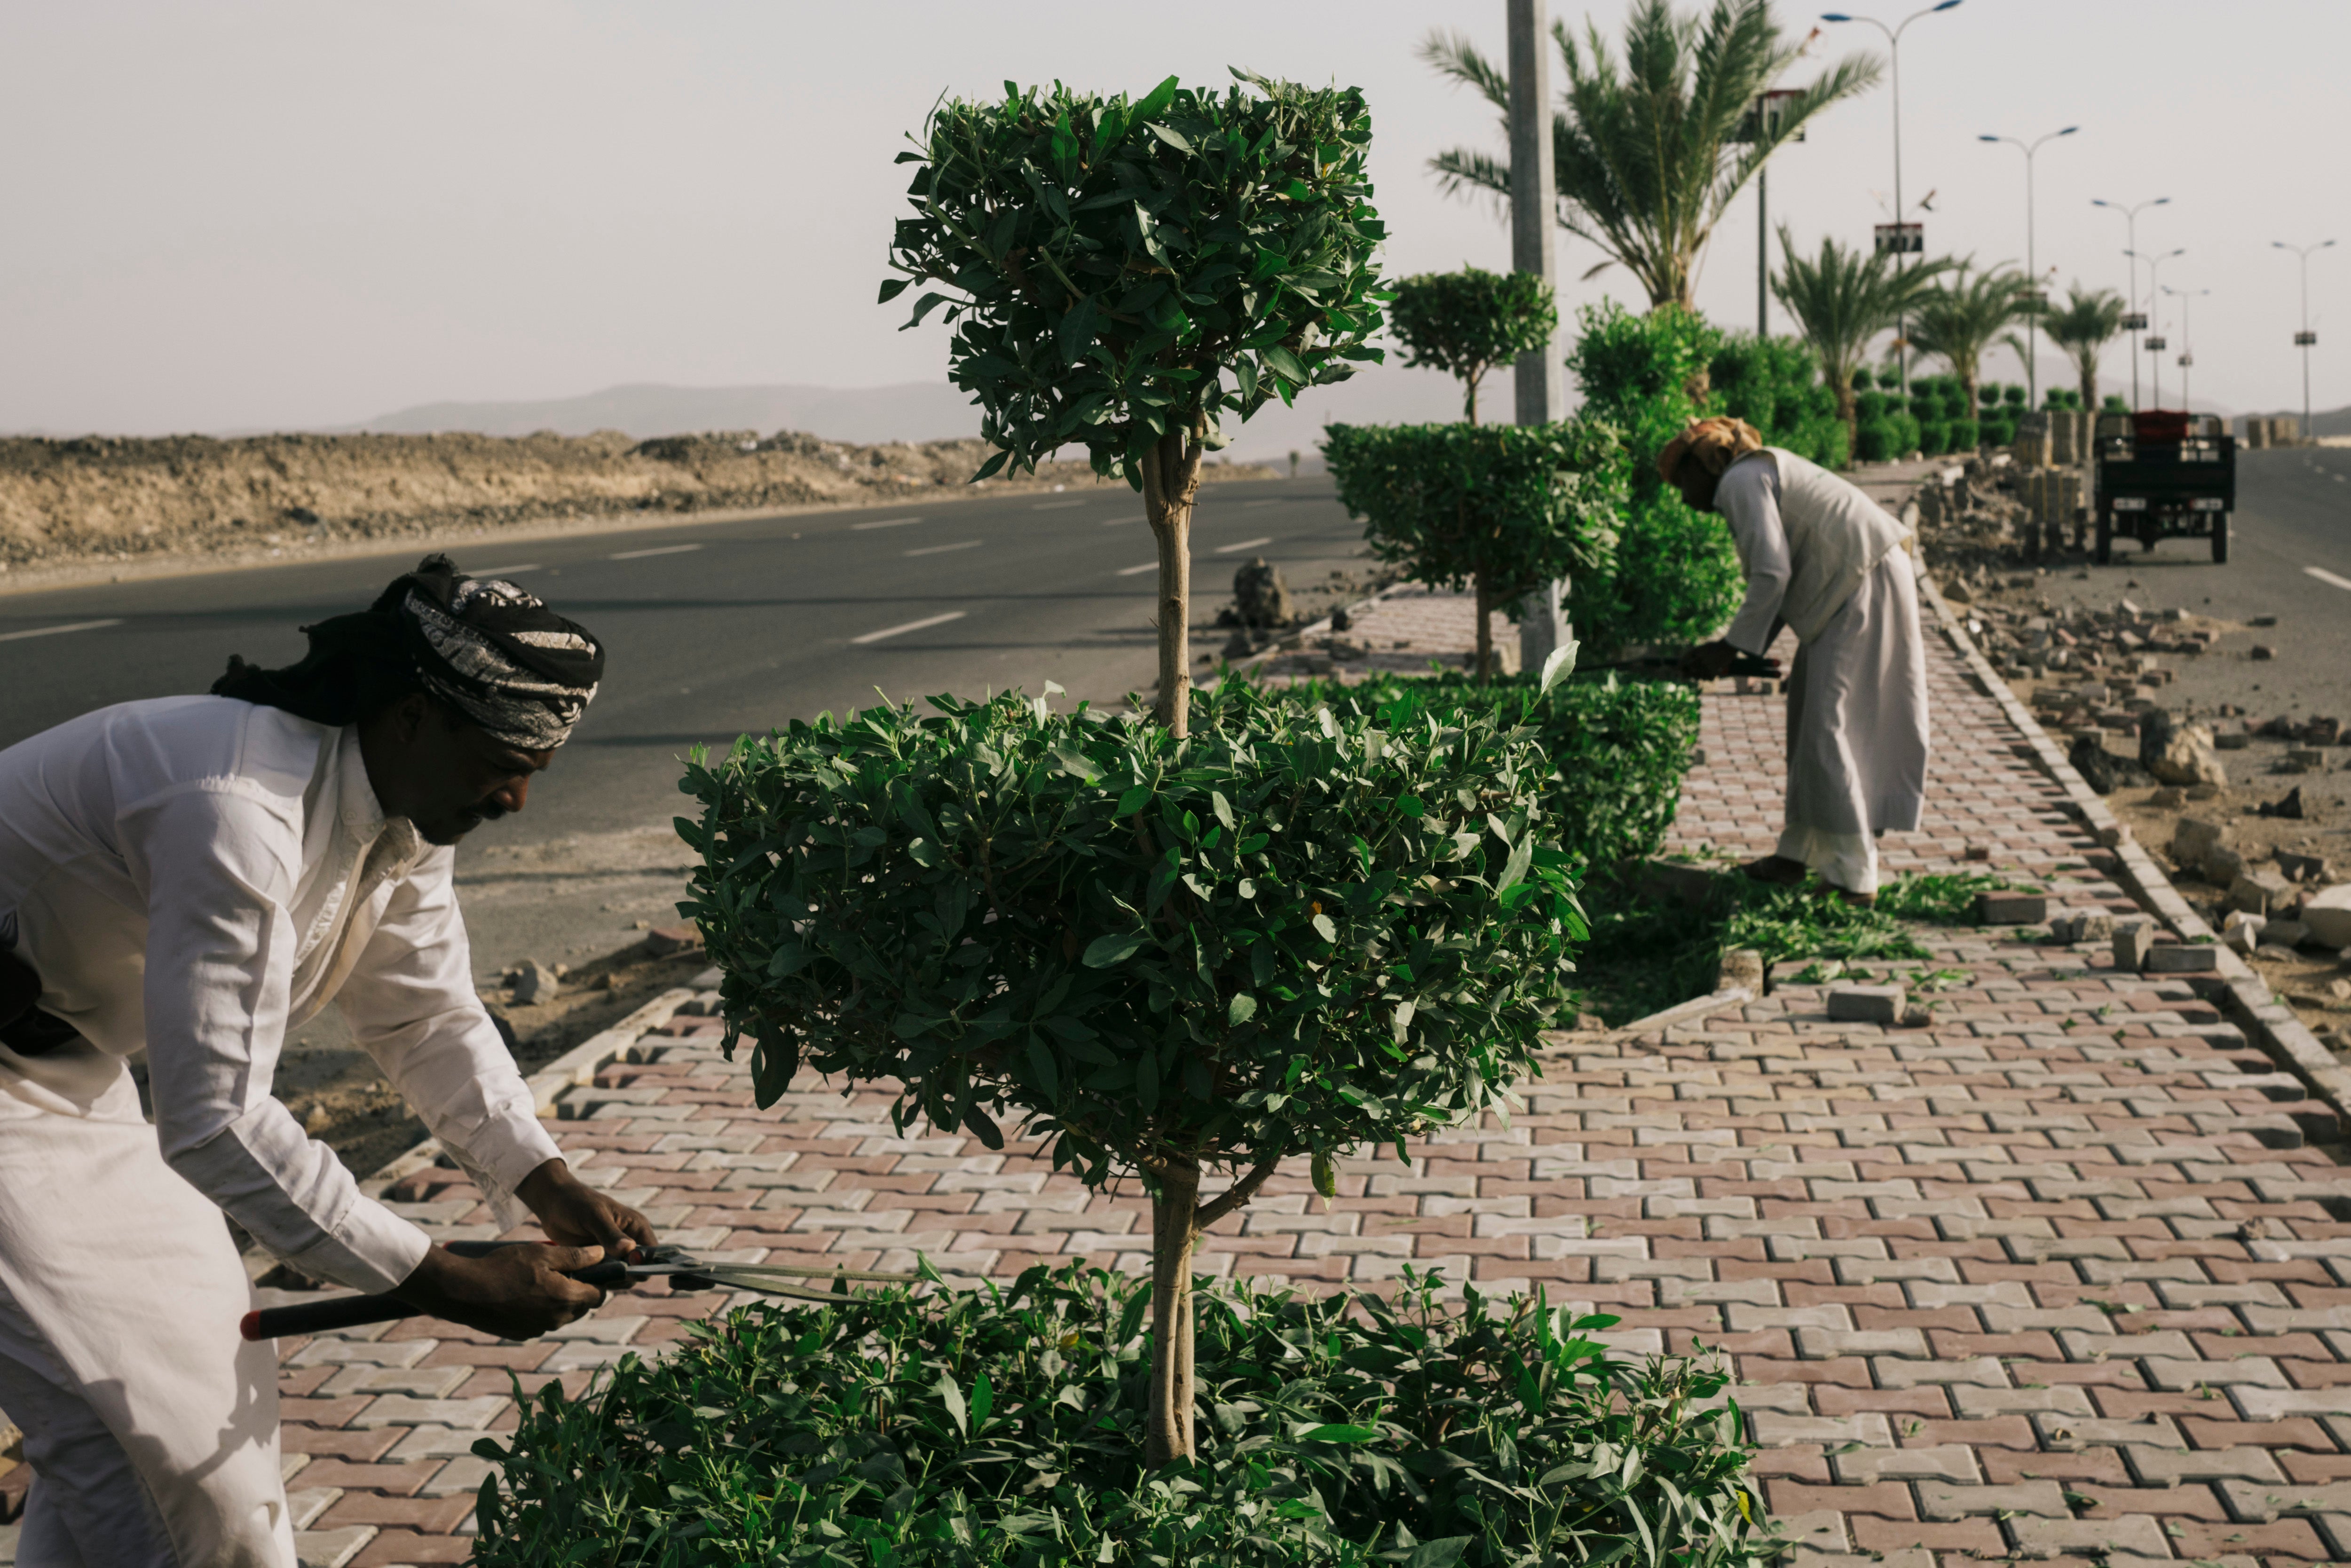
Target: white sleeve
<point x="216" y="862"/>
<point x="1749" y="496"/>
<point x="411" y="1002"/>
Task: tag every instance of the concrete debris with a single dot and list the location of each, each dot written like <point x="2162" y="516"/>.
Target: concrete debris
<point x="2178" y="753"/>
<point x="664" y="940"/>
<point x="2289" y="807"/>
<point x="2183" y="958"/>
<point x="1260" y="596"/>
<point x="2134" y="940"/>
<point x="2303" y="868"/>
<point x="2327" y="913"/>
<point x="532" y="983"/>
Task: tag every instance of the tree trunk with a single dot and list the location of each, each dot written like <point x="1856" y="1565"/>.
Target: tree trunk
<point x="1174" y="1227"/>
<point x="1485" y="632"/>
<point x="1171" y="482"/>
<point x="1469" y="402"/>
<point x="1845" y="406"/>
<point x="2090" y="389"/>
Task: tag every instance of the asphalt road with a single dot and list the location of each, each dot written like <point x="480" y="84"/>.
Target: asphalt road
<point x="717" y="629"/>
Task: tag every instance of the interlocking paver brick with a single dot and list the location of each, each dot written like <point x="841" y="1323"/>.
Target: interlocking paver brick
<point x="2061" y="1240"/>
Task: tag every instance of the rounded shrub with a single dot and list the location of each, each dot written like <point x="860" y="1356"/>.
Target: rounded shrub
<point x="1877" y="441"/>
<point x="2014" y="395"/>
<point x="1965" y="436"/>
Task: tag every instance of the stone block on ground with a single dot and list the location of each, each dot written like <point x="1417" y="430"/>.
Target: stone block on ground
<point x="2134" y="940"/>
<point x="2327" y="912"/>
<point x="2012" y="908"/>
<point x="2183" y="958"/>
<point x="2259" y="892"/>
<point x="1868" y="1004"/>
<point x="2193" y="838"/>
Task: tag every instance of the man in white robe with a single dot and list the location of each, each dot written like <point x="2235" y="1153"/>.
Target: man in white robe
<point x="192" y="877"/>
<point x="1825" y="561"/>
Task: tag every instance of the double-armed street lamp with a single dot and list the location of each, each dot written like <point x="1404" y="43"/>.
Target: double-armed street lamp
<point x="2304" y="339"/>
<point x="2154" y="343"/>
<point x="2186" y="337"/>
<point x="1901" y="246"/>
<point x="2135" y="320"/>
<point x="2031" y="265"/>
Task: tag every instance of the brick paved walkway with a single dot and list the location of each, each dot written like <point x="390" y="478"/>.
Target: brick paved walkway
<point x="2055" y="1277"/>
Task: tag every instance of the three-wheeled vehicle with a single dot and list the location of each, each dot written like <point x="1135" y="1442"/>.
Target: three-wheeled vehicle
<point x="2163" y="474"/>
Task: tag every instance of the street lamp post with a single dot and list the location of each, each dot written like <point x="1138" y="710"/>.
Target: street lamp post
<point x="2304" y="339"/>
<point x="1894" y="42"/>
<point x="2155" y="364"/>
<point x="2186" y="337"/>
<point x="2130" y="216"/>
<point x="2032" y="264"/>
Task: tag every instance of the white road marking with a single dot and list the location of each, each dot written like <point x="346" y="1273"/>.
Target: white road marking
<point x="1114" y="522"/>
<point x="53" y="630"/>
<point x="664" y="550"/>
<point x="1244" y="544"/>
<point x="1268" y="501"/>
<point x="507" y="571"/>
<point x="1138" y="570"/>
<point x="885" y="523"/>
<point x="911" y="626"/>
<point x="1054" y="506"/>
<point x="942" y="549"/>
<point x="2318" y="571"/>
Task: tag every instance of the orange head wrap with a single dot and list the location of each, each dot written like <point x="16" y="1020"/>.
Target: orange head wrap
<point x="1715" y="443"/>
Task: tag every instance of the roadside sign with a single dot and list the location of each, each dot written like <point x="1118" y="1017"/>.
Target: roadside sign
<point x="2305" y="339"/>
<point x="1766" y="113"/>
<point x="2187" y="361"/>
<point x="2136" y="322"/>
<point x="1901" y="239"/>
<point x="2157" y="345"/>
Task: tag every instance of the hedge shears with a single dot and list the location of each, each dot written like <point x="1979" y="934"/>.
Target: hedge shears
<point x="793" y="1281"/>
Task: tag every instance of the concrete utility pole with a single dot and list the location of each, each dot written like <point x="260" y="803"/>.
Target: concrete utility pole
<point x="2304" y="339"/>
<point x="2186" y="337"/>
<point x="2130" y="301"/>
<point x="2032" y="264"/>
<point x="1534" y="248"/>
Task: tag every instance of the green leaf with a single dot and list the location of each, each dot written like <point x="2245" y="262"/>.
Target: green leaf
<point x="1115" y="949"/>
<point x="1155" y="103"/>
<point x="1442" y="1553"/>
<point x="1041" y="1064"/>
<point x="1556" y="664"/>
<point x="1340" y="1432"/>
<point x="950" y="1393"/>
<point x="1286" y="365"/>
<point x="894" y="286"/>
<point x="1223" y="809"/>
<point x="1329" y="932"/>
<point x="1241" y="1008"/>
<point x="1170" y="137"/>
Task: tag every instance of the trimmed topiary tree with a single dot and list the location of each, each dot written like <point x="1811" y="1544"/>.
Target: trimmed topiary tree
<point x="1501" y="507"/>
<point x="1296" y="932"/>
<point x="1467" y="322"/>
<point x="1128" y="276"/>
<point x="1676" y="576"/>
<point x="1249" y="932"/>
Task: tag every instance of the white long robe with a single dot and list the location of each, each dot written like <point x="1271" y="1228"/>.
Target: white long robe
<point x="1858" y="722"/>
<point x="191" y="877"/>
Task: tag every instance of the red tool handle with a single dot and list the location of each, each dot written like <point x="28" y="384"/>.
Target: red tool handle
<point x="351" y="1312"/>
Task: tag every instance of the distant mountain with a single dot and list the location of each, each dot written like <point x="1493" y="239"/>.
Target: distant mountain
<point x="923" y="410"/>
<point x="915" y="411"/>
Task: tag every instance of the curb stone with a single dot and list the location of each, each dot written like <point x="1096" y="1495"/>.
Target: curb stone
<point x="2267" y="1022"/>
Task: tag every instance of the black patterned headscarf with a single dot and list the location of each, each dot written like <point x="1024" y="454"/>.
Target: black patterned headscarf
<point x="496" y="654"/>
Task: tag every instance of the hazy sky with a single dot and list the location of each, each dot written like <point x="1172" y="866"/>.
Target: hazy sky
<point x="287" y="213"/>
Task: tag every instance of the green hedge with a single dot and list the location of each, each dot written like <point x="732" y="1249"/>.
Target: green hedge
<point x="999" y="1430"/>
<point x="1774" y="384"/>
<point x="1618" y="749"/>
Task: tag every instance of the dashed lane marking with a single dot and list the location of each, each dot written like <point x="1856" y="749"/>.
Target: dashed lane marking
<point x="664" y="550"/>
<point x="509" y="571"/>
<point x="1138" y="570"/>
<point x="885" y="523"/>
<point x="911" y="626"/>
<point x="942" y="549"/>
<point x="1244" y="544"/>
<point x="2319" y="572"/>
<point x="94" y="625"/>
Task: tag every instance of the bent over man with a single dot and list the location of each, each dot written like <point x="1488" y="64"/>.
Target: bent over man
<point x="194" y="877"/>
<point x="1825" y="560"/>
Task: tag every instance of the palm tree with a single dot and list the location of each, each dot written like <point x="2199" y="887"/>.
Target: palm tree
<point x="2087" y="324"/>
<point x="1648" y="159"/>
<point x="1841" y="299"/>
<point x="1959" y="319"/>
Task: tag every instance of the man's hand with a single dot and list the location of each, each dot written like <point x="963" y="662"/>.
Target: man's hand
<point x="576" y="1213"/>
<point x="1708" y="661"/>
<point x="515" y="1292"/>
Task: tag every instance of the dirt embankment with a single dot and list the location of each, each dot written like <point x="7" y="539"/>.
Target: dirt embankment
<point x="100" y="498"/>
